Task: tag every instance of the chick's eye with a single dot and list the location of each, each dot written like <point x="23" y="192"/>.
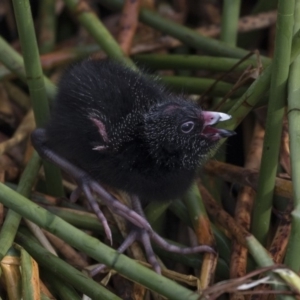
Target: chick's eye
<point x="187" y="127"/>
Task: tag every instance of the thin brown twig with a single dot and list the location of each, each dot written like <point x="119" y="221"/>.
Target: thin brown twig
<point x="222" y="76"/>
<point x="246" y="75"/>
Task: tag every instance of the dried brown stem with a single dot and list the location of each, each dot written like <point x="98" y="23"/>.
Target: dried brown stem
<point x="280" y="240"/>
<point x="222" y="217"/>
<point x="128" y="24"/>
<point x="67" y="251"/>
<point x="285" y="148"/>
<point x="279" y="244"/>
<point x="246" y="24"/>
<point x="247" y="177"/>
<point x="244" y="205"/>
<point x="205" y="237"/>
<point x="23" y="131"/>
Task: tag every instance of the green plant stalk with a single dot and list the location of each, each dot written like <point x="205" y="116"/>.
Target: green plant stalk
<point x="5" y="74"/>
<point x="292" y="258"/>
<point x="191" y="62"/>
<point x="12" y="220"/>
<point x="182" y="33"/>
<point x="36" y="85"/>
<point x="179" y="209"/>
<point x="98" y="31"/>
<point x="43" y="199"/>
<point x="195" y="206"/>
<point x="263" y="259"/>
<point x="192" y="85"/>
<point x="34" y="74"/>
<point x="258" y="252"/>
<point x="28" y="282"/>
<point x="47" y="26"/>
<point x="264" y="5"/>
<point x="86" y="221"/>
<point x="183" y="50"/>
<point x="8" y="231"/>
<point x="44" y="297"/>
<point x="61" y="269"/>
<point x="155" y="213"/>
<point x="60" y="287"/>
<point x="229" y="33"/>
<point x="230" y="20"/>
<point x="14" y="62"/>
<point x="93" y="247"/>
<point x="12" y="59"/>
<point x="280" y="70"/>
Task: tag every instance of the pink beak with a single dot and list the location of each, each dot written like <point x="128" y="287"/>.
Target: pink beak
<point x="212" y="118"/>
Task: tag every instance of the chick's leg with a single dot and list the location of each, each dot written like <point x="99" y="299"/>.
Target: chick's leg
<point x="87" y="185"/>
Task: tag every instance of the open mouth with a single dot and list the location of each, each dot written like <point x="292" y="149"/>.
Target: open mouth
<point x="211" y="118"/>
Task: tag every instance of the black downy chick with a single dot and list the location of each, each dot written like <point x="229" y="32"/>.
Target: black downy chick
<point x="114" y="126"/>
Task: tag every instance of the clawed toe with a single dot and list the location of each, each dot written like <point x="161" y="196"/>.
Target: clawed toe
<point x="143" y="236"/>
<point x="136" y="234"/>
<point x="181" y="250"/>
<point x="75" y="195"/>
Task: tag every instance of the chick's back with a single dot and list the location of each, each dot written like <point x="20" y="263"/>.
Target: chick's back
<point x="100" y="89"/>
